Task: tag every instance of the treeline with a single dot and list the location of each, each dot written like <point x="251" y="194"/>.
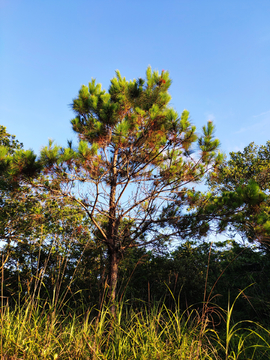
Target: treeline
<point x="190" y="275"/>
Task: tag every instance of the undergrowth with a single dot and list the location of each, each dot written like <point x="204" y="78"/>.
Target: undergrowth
<point x="37" y="330"/>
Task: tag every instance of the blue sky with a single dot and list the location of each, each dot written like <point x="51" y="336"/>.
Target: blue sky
<point x="217" y="52"/>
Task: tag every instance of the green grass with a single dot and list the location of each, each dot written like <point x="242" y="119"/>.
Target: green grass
<point x="40" y="331"/>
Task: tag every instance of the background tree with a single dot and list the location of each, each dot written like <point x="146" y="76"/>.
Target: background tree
<point x="133" y="159"/>
<point x="36" y="232"/>
<point x="240" y="194"/>
<point x="12" y="200"/>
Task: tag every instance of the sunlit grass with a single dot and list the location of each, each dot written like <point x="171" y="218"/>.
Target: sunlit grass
<point x="53" y="329"/>
<point x="39" y="331"/>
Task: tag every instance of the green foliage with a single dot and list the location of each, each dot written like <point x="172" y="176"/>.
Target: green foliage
<point x="32" y="223"/>
<point x="9" y="141"/>
<point x="15" y="203"/>
<point x="8" y="146"/>
<point x="240" y="191"/>
<point x="50" y="154"/>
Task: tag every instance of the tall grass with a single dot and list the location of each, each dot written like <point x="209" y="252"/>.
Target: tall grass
<point x="37" y="331"/>
<point x="36" y="328"/>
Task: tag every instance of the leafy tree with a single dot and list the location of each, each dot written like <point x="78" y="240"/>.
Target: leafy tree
<point x="35" y="230"/>
<point x="26" y="213"/>
<point x="17" y="209"/>
<point x="135" y="156"/>
<point x="10" y="201"/>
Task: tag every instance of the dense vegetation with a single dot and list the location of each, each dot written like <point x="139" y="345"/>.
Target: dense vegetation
<point x="105" y="248"/>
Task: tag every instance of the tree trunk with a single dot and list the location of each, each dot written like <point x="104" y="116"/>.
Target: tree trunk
<point x="113" y="277"/>
<point x="112" y="235"/>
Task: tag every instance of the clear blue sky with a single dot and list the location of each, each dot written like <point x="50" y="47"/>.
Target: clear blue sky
<point x="217" y="52"/>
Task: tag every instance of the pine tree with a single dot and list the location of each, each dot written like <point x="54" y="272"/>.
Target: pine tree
<point x="135" y="156"/>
